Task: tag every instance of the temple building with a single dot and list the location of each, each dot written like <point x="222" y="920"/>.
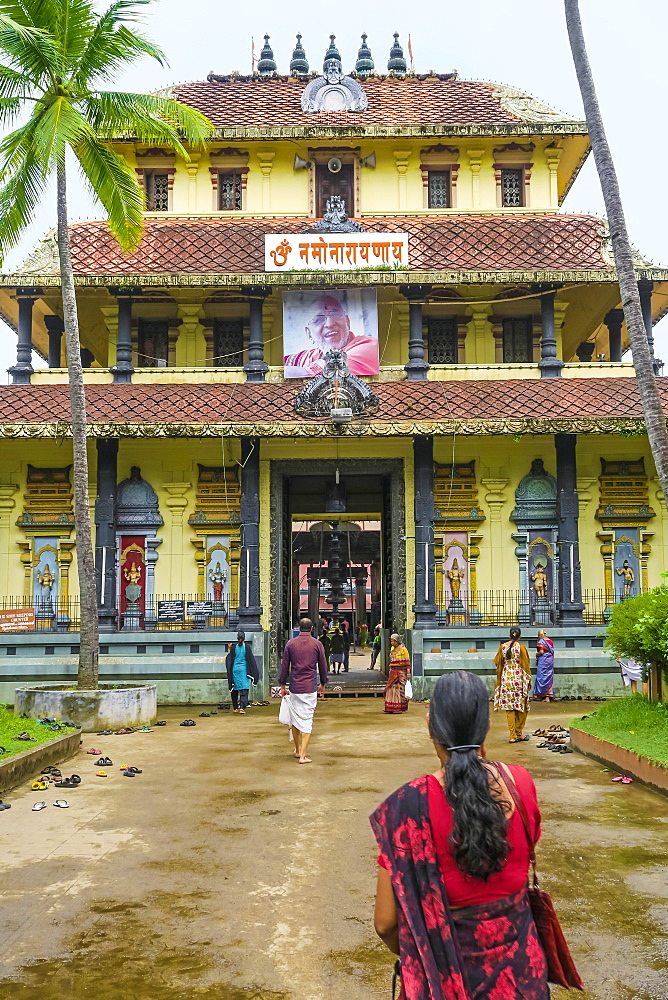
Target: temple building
<point x="361" y="357"/>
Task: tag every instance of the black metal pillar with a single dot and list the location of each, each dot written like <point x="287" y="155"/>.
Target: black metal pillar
<point x="645" y="292"/>
<point x="613" y="320"/>
<point x="425" y="570"/>
<point x="122" y="370"/>
<point x="55" y="328"/>
<point x="256" y="367"/>
<point x="250" y="609"/>
<point x="550" y="365"/>
<point x="23" y="369"/>
<point x="105" y="532"/>
<point x="417" y="367"/>
<point x="570" y="603"/>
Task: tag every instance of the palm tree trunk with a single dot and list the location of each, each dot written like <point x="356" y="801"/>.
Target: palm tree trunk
<point x="655" y="420"/>
<point x="90" y="637"/>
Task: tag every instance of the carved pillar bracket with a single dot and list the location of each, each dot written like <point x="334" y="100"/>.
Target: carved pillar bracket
<point x="55" y="327"/>
<point x="23" y="369"/>
<point x="250" y="609"/>
<point x="105" y="533"/>
<point x="425" y="569"/>
<point x="417" y="367"/>
<point x="613" y="320"/>
<point x="570" y="603"/>
<point x="256" y="367"/>
<point x="550" y="365"/>
<point x="122" y="370"/>
<point x="645" y="292"/>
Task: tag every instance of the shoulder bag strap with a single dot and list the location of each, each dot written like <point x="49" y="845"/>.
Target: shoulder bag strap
<point x="509" y="779"/>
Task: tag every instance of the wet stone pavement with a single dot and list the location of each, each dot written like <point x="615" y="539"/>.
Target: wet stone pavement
<point x="228" y="871"/>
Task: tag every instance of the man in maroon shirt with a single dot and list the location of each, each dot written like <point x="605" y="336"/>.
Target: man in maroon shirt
<point x="304" y="664"/>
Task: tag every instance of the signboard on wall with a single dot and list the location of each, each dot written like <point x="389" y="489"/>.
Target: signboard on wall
<point x="340" y="319"/>
<point x="335" y="251"/>
<point x="199" y="609"/>
<point x="17" y="620"/>
<point x="171" y="611"/>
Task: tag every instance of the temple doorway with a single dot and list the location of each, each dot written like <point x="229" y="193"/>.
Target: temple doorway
<point x="341" y="550"/>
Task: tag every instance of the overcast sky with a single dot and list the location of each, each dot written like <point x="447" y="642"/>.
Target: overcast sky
<point x="518" y="42"/>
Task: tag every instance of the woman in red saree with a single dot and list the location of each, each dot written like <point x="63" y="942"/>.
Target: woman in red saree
<point x="396" y="701"/>
<point x="454" y="857"/>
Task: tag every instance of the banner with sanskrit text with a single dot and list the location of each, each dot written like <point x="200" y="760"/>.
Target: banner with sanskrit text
<point x="335" y="251"/>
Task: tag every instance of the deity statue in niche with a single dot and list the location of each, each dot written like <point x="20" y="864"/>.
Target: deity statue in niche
<point x="218" y="578"/>
<point x="132" y="574"/>
<point x="628" y="576"/>
<point x="539" y="580"/>
<point x="46" y="580"/>
<point x="456" y="577"/>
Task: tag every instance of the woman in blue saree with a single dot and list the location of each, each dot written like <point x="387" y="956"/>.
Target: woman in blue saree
<point x="543" y="690"/>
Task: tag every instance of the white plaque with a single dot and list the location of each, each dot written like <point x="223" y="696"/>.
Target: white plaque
<point x="335" y="251"/>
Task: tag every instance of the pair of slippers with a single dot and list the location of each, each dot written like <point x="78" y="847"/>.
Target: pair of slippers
<point x="522" y="739"/>
<point x="5" y="805"/>
<point x="163" y="723"/>
<point x="38" y="806"/>
<point x="25" y="737"/>
<point x="104" y="762"/>
<point x="187" y="722"/>
<point x="204" y="715"/>
<point x="624" y="778"/>
<point x="72" y="782"/>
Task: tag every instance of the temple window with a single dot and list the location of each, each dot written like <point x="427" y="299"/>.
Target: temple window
<point x="442" y="340"/>
<point x="156" y="184"/>
<point x="439" y="188"/>
<point x="518" y="340"/>
<point x="230" y="191"/>
<point x="152" y="343"/>
<point x="512" y="188"/>
<point x="228" y="343"/>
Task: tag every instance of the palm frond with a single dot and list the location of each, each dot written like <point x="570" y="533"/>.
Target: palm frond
<point x="20" y="197"/>
<point x="149" y="118"/>
<point x="57" y="125"/>
<point x="112" y="46"/>
<point x="114" y="182"/>
<point x="75" y="25"/>
<point x="29" y="49"/>
<point x="12" y="82"/>
<point x="10" y="107"/>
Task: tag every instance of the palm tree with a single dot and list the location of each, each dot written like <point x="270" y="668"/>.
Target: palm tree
<point x="56" y="55"/>
<point x="655" y="420"/>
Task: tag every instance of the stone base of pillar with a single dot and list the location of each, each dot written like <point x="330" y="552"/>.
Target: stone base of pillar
<point x="121" y="374"/>
<point x="107" y="620"/>
<point x="550" y="368"/>
<point x="425" y="616"/>
<point x="21" y="374"/>
<point x="571" y="614"/>
<point x="416" y="371"/>
<point x="256" y="371"/>
<point x="249" y="619"/>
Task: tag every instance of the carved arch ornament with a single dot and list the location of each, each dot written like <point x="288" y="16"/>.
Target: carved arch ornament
<point x="280" y="469"/>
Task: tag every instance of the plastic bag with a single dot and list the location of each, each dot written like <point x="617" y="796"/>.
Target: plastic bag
<point x="408" y="690"/>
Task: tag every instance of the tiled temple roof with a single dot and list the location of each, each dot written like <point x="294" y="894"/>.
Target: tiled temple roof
<point x="464" y="242"/>
<point x="602" y="405"/>
<point x="275" y="101"/>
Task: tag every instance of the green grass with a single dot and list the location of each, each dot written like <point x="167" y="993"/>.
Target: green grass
<point x="632" y="722"/>
<point x="11" y="725"/>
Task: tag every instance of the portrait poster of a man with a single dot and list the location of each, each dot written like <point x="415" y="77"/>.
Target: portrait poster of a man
<point x="315" y="322"/>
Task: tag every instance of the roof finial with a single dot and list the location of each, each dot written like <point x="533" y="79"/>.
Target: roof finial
<point x="396" y="63"/>
<point x="364" y="65"/>
<point x="299" y="62"/>
<point x="266" y="65"/>
<point x="332" y="53"/>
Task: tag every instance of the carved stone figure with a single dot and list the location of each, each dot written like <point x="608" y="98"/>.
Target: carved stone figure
<point x="628" y="576"/>
<point x="337" y="389"/>
<point x="46" y="581"/>
<point x="335" y="219"/>
<point x="456" y="578"/>
<point x="218" y="578"/>
<point x="132" y="573"/>
<point x="333" y="91"/>
<point x="539" y="580"/>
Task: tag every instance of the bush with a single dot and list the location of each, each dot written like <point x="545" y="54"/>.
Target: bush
<point x="638" y="629"/>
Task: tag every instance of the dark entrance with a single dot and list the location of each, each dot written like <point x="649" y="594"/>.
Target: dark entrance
<point x="371" y="541"/>
<point x="328" y="184"/>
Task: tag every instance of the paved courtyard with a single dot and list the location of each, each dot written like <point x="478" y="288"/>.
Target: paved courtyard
<point x="226" y="870"/>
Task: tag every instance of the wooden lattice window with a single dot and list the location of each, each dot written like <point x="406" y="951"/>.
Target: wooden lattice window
<point x="228" y="343"/>
<point x="442" y="340"/>
<point x="152" y="343"/>
<point x="512" y="188"/>
<point x="229" y="191"/>
<point x="518" y="340"/>
<point x="156" y="183"/>
<point x="439" y="189"/>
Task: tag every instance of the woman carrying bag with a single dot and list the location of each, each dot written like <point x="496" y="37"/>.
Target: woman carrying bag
<point x="452" y="898"/>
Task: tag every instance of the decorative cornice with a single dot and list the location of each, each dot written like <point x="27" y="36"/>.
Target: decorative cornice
<point x="321" y="278"/>
<point x="627" y="427"/>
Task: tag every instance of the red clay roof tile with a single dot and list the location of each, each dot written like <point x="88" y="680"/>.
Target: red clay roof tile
<point x="453" y="242"/>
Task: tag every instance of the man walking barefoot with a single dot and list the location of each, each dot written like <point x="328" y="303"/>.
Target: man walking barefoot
<point x="303" y="664"/>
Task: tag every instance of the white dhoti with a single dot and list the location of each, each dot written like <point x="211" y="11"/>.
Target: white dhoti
<point x="631" y="671"/>
<point x="297" y="710"/>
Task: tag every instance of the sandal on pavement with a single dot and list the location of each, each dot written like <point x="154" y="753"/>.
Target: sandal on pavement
<point x="203" y="715"/>
<point x="123" y="731"/>
<point x="626" y="780"/>
<point x="38" y="806"/>
<point x="93" y="751"/>
<point x="62" y="803"/>
<point x="75" y="779"/>
<point x="101" y="774"/>
<point x="65" y="783"/>
<point x="5" y="805"/>
<point x="39" y="786"/>
<point x="188" y="722"/>
<point x="129" y="774"/>
<point x="163" y="723"/>
<point x="135" y="770"/>
<point x="105" y="732"/>
<point x="618" y="777"/>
